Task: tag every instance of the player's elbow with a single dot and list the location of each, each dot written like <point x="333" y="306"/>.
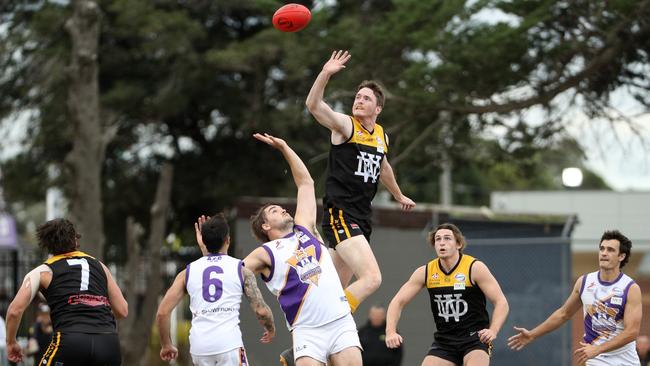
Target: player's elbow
<point x="312" y="104"/>
<point x="14" y="312"/>
<point x="121" y="310"/>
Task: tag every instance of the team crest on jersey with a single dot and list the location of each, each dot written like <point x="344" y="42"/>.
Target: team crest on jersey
<point x="602" y="313"/>
<point x="306" y="265"/>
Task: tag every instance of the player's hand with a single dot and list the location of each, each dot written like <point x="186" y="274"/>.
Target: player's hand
<point x="586" y="352"/>
<point x="520" y="340"/>
<point x="268" y="336"/>
<point x="393" y="340"/>
<point x="14" y="352"/>
<point x="273" y="141"/>
<point x="406" y="203"/>
<point x="197" y="231"/>
<point x="486" y="335"/>
<point x="336" y="62"/>
<point x="168" y="353"/>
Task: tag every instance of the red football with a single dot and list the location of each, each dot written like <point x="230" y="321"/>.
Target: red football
<point x="291" y="18"/>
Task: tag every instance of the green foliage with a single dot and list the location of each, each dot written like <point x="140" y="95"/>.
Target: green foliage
<point x="192" y="81"/>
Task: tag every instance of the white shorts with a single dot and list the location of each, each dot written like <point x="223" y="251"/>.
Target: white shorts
<point x="606" y="359"/>
<point x="235" y="357"/>
<point x="321" y="342"/>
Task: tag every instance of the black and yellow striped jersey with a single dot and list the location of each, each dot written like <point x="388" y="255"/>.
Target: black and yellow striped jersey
<point x="353" y="170"/>
<point x="457" y="304"/>
<point x="78" y="294"/>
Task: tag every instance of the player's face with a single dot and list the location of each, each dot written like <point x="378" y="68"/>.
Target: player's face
<point x="609" y="255"/>
<point x="445" y="243"/>
<point x="277" y="217"/>
<point x="365" y="104"/>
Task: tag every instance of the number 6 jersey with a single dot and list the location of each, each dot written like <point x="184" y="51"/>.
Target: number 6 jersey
<point x="215" y="285"/>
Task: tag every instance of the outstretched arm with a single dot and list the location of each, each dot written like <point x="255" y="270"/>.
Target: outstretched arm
<point x="404" y="296"/>
<point x="559" y="317"/>
<point x="163" y="317"/>
<point x="387" y="178"/>
<point x="306" y="203"/>
<point x="631" y="323"/>
<point x="490" y="287"/>
<point x="31" y="284"/>
<point x="338" y="123"/>
<point x="260" y="308"/>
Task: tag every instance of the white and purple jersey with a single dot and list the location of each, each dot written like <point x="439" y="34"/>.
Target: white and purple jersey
<point x="215" y="285"/>
<point x="604" y="311"/>
<point x="304" y="280"/>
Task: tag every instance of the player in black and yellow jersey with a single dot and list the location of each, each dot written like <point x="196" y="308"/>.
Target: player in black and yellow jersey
<point x="357" y="162"/>
<point x="83" y="297"/>
<point x="458" y="285"/>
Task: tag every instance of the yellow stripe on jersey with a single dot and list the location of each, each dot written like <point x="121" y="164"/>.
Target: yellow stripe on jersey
<point x="76" y="253"/>
<point x="436" y="278"/>
<point x="362" y="136"/>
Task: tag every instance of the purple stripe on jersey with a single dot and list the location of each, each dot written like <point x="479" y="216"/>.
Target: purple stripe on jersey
<point x="292" y="296"/>
<point x="239" y="272"/>
<point x="187" y="275"/>
<point x="584" y="280"/>
<point x="268" y="250"/>
<point x="604" y="283"/>
<point x="590" y="334"/>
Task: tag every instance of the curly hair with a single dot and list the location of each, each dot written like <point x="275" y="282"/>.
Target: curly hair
<point x="57" y="236"/>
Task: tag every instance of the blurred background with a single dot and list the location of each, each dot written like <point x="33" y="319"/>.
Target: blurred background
<point x="525" y="122"/>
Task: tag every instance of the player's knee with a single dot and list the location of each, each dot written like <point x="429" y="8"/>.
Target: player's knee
<point x="374" y="280"/>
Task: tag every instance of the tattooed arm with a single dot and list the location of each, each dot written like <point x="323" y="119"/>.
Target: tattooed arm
<point x="260" y="308"/>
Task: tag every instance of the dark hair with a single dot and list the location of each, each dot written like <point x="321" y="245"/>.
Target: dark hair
<point x="460" y="239"/>
<point x="625" y="244"/>
<point x="376" y="89"/>
<point x="57" y="236"/>
<point x="257" y="220"/>
<point x="215" y="232"/>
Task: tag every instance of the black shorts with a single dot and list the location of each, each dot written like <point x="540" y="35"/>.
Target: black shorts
<point x="338" y="226"/>
<point x="68" y="349"/>
<point x="456" y="354"/>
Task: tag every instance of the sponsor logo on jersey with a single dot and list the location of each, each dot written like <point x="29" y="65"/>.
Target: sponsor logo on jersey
<point x="90" y="300"/>
<point x="306" y="265"/>
<point x="459" y="286"/>
<point x="460" y="277"/>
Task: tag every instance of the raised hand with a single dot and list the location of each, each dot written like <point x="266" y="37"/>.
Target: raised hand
<point x="273" y="141"/>
<point x="197" y="231"/>
<point x="336" y="62"/>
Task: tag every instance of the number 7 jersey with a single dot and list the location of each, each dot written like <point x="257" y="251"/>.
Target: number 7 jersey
<point x="78" y="294"/>
<point x="215" y="285"/>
